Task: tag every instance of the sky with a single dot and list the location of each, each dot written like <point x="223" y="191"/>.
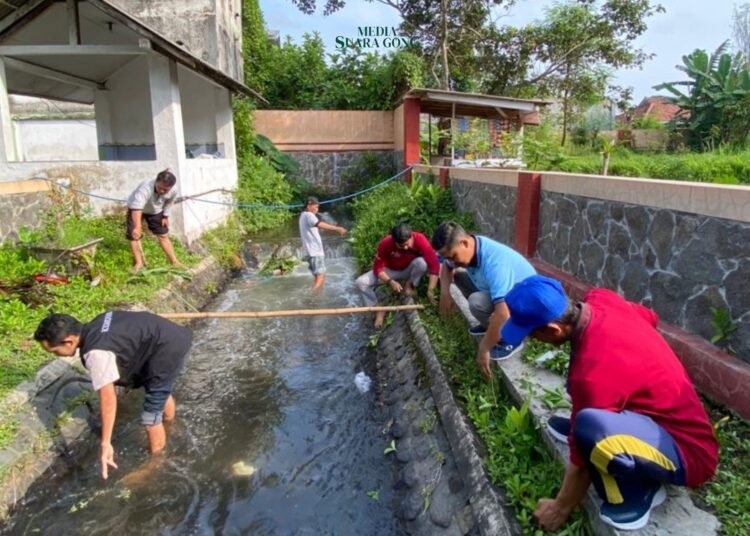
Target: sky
<point x="686" y="25"/>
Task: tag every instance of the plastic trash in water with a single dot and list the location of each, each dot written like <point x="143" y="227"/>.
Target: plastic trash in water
<point x="242" y="469"/>
<point x="363" y="382"/>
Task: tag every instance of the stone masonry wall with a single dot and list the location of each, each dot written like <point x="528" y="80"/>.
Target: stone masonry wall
<point x="21" y="210"/>
<point x="340" y="172"/>
<point x="679" y="264"/>
<point x="492" y="206"/>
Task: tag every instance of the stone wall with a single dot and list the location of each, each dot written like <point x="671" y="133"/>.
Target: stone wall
<point x="677" y="263"/>
<point x="341" y="172"/>
<point x="21" y="210"/>
<point x="493" y="207"/>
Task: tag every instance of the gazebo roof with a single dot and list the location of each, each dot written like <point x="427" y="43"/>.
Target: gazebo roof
<point x="442" y="103"/>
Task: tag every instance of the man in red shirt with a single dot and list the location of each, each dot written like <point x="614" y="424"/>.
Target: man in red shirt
<point x="403" y="255"/>
<point x="636" y="421"/>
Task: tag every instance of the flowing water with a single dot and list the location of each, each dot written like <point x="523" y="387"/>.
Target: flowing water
<point x="272" y="397"/>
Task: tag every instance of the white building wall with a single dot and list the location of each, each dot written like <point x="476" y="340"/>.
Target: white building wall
<point x="131" y="118"/>
<point x="198" y="108"/>
<point x="50" y="140"/>
<point x="199" y="176"/>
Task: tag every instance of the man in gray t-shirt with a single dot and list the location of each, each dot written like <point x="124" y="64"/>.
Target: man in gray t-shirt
<point x="151" y="201"/>
<point x="309" y="226"/>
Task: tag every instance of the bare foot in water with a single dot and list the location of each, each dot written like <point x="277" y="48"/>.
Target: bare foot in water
<point x="379" y="319"/>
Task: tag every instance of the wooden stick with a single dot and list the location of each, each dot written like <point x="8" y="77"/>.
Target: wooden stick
<point x="292" y="312"/>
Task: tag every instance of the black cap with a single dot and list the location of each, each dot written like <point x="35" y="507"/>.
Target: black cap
<point x="312" y="200"/>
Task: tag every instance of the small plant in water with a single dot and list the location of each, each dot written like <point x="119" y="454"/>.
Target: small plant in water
<point x="374" y="495"/>
<point x="390" y="448"/>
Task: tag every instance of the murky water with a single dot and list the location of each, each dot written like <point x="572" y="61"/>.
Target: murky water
<point x="276" y="394"/>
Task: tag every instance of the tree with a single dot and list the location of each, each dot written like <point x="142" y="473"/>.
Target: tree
<point x="718" y="91"/>
<point x="255" y="47"/>
<point x="741" y="29"/>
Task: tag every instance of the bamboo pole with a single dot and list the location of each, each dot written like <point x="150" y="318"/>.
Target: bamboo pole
<point x="291" y="312"/>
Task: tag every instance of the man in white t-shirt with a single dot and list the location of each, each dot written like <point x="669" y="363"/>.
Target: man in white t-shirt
<point x="309" y="223"/>
<point x="151" y="201"/>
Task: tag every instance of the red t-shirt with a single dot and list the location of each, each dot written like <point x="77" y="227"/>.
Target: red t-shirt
<point x="620" y="362"/>
<point x="389" y="256"/>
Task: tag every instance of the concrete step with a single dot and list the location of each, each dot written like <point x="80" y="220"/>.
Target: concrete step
<point x="524" y="382"/>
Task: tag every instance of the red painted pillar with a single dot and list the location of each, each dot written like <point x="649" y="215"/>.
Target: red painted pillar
<point x="444" y="177"/>
<point x="528" y="198"/>
<point x="412" y="108"/>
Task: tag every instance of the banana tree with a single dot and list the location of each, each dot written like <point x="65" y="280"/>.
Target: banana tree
<point x="716" y="85"/>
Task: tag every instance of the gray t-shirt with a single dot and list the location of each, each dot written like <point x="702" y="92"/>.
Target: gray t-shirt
<point x="308" y="231"/>
<point x="146" y="199"/>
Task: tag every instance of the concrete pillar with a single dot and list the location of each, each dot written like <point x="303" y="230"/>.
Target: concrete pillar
<point x="528" y="199"/>
<point x="224" y="122"/>
<point x="103" y="118"/>
<point x="7" y="140"/>
<point x="169" y="134"/>
<point x="412" y="107"/>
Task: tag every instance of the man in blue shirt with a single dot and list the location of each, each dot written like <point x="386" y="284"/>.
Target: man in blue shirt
<point x="492" y="269"/>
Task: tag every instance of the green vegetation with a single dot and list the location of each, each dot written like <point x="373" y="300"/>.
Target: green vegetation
<point x="722" y="166"/>
<point x="26" y="302"/>
<point x="716" y="98"/>
<point x="423" y="204"/>
<point x="515" y="459"/>
<point x="728" y="493"/>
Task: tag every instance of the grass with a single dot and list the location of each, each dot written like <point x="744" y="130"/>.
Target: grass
<point x="724" y="167"/>
<point x="516" y="460"/>
<point x="27" y="303"/>
<point x="728" y="494"/>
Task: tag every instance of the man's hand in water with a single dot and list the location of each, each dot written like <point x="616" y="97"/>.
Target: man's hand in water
<point x="107" y="459"/>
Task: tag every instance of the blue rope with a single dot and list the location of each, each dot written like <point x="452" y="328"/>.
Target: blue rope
<point x="237" y="205"/>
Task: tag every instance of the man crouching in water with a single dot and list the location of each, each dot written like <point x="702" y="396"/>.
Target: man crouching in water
<point x="130" y="349"/>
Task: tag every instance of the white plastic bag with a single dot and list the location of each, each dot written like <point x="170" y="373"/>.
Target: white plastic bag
<point x="363" y="382"/>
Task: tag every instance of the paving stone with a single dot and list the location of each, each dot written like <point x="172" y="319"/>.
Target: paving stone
<point x="404" y="450"/>
<point x="411" y="507"/>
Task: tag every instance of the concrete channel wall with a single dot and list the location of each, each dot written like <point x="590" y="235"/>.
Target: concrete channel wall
<point x="678" y="247"/>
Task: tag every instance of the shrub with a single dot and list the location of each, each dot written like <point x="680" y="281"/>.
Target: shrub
<point x="423" y="204"/>
<point x="260" y="184"/>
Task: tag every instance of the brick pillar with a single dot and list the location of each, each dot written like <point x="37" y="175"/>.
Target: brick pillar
<point x="412" y="107"/>
<point x="528" y="198"/>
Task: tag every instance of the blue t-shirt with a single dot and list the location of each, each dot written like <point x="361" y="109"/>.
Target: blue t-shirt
<point x="498" y="268"/>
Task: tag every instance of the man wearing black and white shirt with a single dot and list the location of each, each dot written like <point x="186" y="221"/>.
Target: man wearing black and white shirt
<point x="152" y="201"/>
<point x="130" y="349"/>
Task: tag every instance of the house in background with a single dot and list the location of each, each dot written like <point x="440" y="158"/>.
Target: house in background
<point x="657" y="107"/>
<point x="161" y="95"/>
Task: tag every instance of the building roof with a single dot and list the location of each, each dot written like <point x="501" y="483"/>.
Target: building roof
<point x="67" y="73"/>
<point x="656" y="106"/>
<point x="442" y="103"/>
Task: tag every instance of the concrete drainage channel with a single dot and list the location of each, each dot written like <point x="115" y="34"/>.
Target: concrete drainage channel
<point x="442" y="486"/>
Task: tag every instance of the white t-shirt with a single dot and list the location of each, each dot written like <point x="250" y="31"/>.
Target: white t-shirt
<point x="146" y="199"/>
<point x="308" y="231"/>
<point x="102" y="366"/>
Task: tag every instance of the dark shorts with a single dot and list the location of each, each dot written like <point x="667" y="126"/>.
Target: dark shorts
<point x="152" y="220"/>
<point x="316" y="264"/>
